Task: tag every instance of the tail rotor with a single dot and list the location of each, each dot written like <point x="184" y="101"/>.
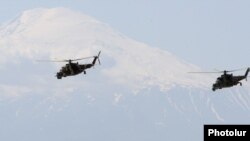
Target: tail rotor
<point x="98" y="57"/>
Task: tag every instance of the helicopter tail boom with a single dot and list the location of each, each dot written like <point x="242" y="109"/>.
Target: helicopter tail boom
<point x="93" y="62"/>
<point x="247" y="73"/>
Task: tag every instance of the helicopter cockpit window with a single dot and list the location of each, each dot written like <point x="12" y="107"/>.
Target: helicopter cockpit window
<point x="219" y="80"/>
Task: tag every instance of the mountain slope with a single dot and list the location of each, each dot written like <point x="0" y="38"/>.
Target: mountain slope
<point x="61" y="33"/>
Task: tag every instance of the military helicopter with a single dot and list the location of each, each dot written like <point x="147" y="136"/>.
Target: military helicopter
<point x="71" y="68"/>
<point x="227" y="80"/>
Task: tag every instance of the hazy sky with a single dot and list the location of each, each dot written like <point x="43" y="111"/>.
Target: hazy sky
<point x="211" y="34"/>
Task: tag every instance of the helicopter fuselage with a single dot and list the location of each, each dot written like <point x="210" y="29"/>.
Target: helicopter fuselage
<point x="71" y="69"/>
<point x="227" y="81"/>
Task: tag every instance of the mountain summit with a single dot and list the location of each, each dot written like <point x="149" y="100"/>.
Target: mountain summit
<point x="62" y="33"/>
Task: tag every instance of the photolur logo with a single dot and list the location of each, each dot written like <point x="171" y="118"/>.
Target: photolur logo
<point x="215" y="132"/>
<point x="223" y="132"/>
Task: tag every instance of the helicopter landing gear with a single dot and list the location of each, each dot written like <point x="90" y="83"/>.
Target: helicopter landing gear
<point x="64" y="75"/>
<point x="59" y="76"/>
<point x="240" y="83"/>
<point x="213" y="89"/>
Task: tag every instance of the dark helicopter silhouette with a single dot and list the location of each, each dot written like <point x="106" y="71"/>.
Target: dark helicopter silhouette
<point x="71" y="68"/>
<point x="227" y="80"/>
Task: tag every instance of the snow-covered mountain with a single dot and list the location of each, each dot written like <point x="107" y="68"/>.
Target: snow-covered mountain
<point x="137" y="93"/>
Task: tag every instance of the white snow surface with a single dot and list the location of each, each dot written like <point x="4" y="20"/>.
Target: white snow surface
<point x="61" y="33"/>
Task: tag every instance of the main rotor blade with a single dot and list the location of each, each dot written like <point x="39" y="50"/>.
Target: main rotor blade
<point x="204" y="72"/>
<point x="64" y="60"/>
<point x="52" y="60"/>
<point x="87" y="57"/>
<point x="235" y="70"/>
<point x="71" y="59"/>
<point x="220" y="71"/>
<point x="82" y="58"/>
